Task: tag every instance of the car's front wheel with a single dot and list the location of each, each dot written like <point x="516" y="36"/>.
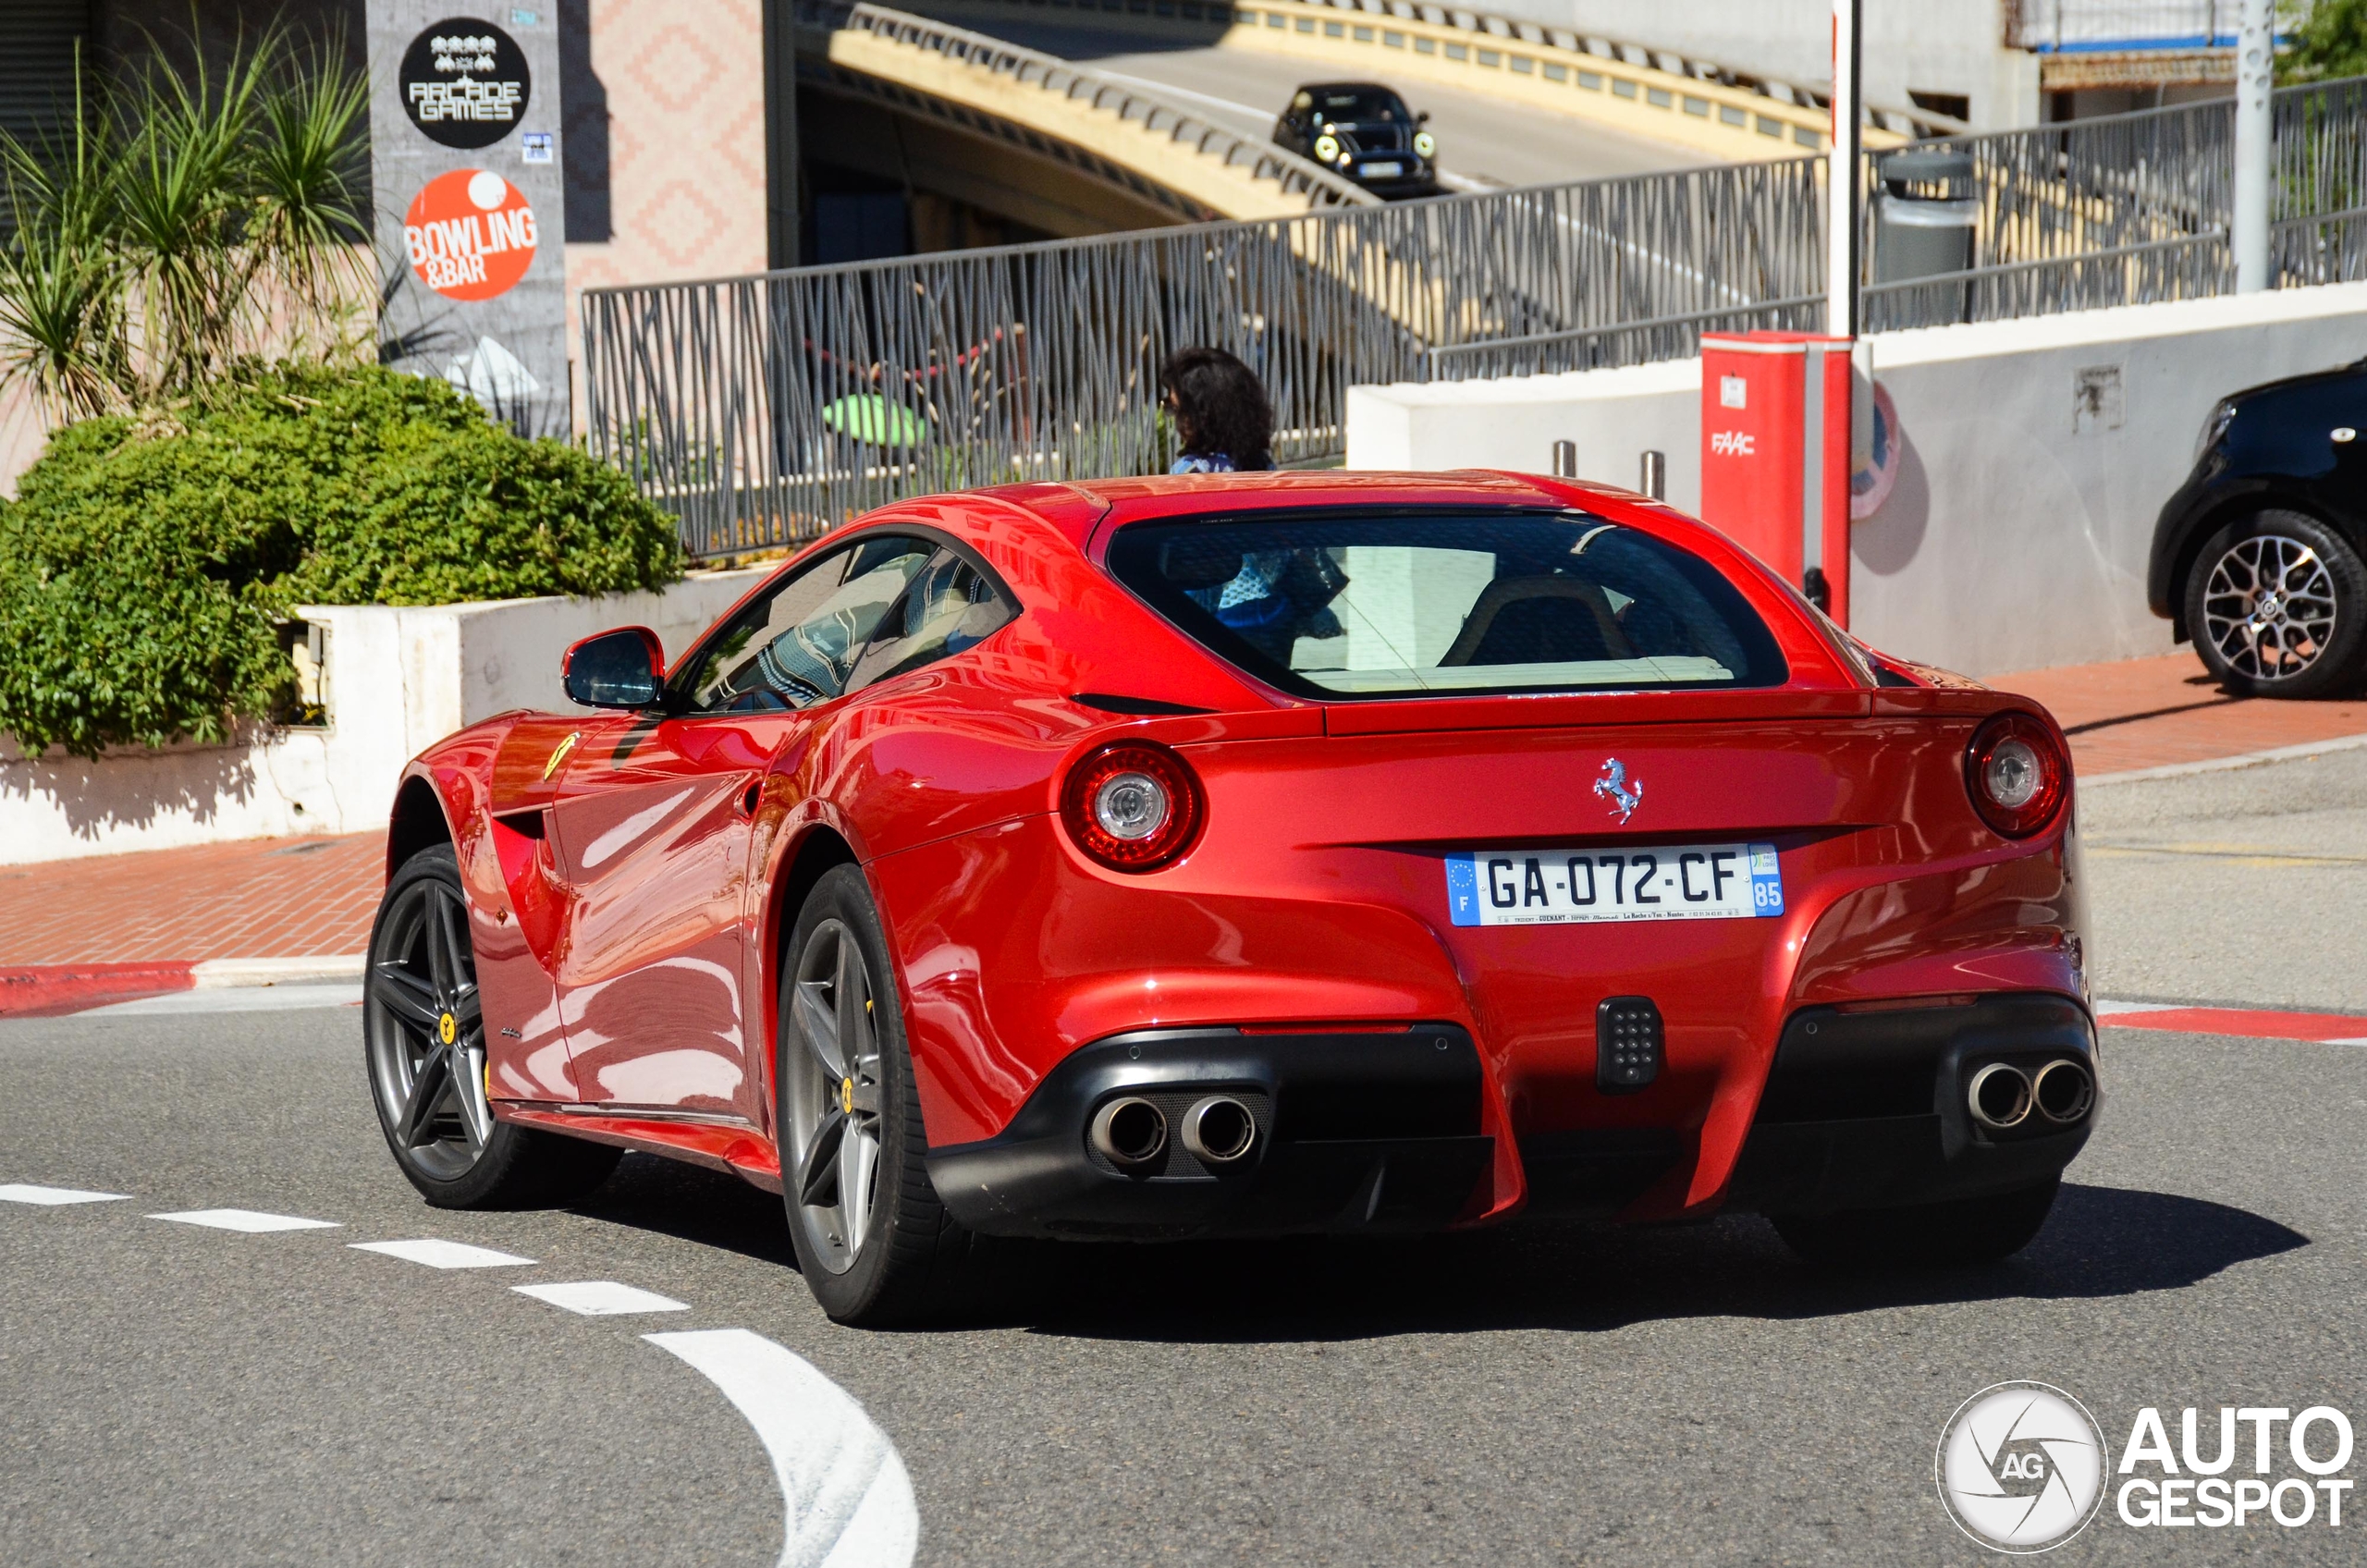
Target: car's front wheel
<point x="875" y="1243"/>
<point x="2276" y="604"/>
<point x="424" y="1040"/>
<point x="1960" y="1231"/>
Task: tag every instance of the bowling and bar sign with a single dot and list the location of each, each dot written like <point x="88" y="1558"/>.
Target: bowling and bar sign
<point x="469" y="234"/>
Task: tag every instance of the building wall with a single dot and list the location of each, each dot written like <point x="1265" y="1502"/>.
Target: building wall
<point x="662" y="143"/>
<point x="2016" y="531"/>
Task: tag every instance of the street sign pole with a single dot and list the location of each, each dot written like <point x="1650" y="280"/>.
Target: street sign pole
<point x="1841" y="259"/>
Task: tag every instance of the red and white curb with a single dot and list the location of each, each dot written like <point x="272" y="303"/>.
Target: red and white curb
<point x="2244" y="1023"/>
<point x="847" y="1498"/>
<point x="217" y="984"/>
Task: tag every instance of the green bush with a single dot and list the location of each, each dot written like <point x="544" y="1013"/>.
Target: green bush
<point x="144" y="565"/>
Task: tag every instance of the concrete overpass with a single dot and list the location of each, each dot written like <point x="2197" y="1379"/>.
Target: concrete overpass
<point x="1082" y="116"/>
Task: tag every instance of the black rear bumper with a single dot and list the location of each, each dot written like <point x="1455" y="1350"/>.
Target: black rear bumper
<point x="1358" y="1133"/>
<point x="1868" y="1110"/>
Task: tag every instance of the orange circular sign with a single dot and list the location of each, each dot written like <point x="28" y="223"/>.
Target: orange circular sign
<point x="470" y="234"/>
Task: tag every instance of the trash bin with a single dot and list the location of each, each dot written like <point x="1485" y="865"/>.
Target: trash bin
<point x="1925" y="218"/>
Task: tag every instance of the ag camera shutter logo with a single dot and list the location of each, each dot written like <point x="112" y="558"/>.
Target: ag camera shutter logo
<point x="2021" y="1467"/>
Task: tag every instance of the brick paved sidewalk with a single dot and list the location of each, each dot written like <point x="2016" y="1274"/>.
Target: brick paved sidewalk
<point x="287" y="898"/>
<point x="261" y="898"/>
<point x="2153" y="713"/>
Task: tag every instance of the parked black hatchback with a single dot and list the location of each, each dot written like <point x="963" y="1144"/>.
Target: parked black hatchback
<point x="2258" y="556"/>
<point x="1361" y="131"/>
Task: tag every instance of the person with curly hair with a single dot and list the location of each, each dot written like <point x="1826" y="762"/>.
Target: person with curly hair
<point x="1222" y="420"/>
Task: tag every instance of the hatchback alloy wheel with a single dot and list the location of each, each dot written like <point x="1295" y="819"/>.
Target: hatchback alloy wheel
<point x="2269" y="607"/>
<point x="2276" y="604"/>
<point x="834" y="1096"/>
<point x="425" y="1028"/>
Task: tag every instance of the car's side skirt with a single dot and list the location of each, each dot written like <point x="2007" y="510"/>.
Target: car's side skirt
<point x="720" y="1143"/>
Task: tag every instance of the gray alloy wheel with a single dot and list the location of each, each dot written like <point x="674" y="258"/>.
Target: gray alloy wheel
<point x="833" y="1083"/>
<point x="423" y="1045"/>
<point x="2274" y="604"/>
<point x="2268" y="606"/>
<point x="425" y="1031"/>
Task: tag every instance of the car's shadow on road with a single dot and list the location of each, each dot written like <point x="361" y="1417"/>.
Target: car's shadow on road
<point x="2100" y="1242"/>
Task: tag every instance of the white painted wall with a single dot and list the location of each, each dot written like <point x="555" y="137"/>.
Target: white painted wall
<point x="2016" y="537"/>
<point x="398" y="680"/>
<point x="1928" y="45"/>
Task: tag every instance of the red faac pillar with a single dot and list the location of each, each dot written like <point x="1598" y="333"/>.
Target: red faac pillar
<point x="1776" y="455"/>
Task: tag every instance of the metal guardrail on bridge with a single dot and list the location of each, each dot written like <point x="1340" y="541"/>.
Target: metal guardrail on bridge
<point x="763" y="409"/>
<point x="1296" y="181"/>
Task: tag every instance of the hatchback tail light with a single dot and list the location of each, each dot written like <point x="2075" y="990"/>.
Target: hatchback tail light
<point x="2017" y="774"/>
<point x="1132" y="807"/>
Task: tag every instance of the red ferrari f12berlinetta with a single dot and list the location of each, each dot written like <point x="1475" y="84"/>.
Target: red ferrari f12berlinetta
<point x="1249" y="855"/>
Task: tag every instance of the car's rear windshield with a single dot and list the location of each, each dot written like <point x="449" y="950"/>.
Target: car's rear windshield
<point x="1355" y="604"/>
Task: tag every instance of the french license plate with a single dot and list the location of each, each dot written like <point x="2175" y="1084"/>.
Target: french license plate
<point x="1383" y="171"/>
<point x="1660" y="882"/>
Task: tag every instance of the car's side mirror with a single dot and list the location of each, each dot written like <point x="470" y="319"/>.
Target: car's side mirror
<point x="615" y="669"/>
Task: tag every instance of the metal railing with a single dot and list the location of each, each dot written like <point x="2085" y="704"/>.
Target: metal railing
<point x="763" y="409"/>
<point x="1130" y="101"/>
<point x="2135" y="208"/>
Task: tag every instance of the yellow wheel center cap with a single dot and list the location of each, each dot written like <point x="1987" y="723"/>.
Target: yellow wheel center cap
<point x="846" y="1095"/>
<point x="447" y="1028"/>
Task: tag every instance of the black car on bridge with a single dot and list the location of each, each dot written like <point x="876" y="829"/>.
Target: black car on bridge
<point x="1363" y="132"/>
<point x="2261" y="558"/>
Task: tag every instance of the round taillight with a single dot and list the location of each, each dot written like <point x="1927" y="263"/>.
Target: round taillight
<point x="1132" y="807"/>
<point x="2017" y="774"/>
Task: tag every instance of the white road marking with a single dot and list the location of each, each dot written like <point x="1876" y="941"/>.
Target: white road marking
<point x="848" y="1498"/>
<point x="601" y="1298"/>
<point x="247" y="1220"/>
<point x="443" y="1254"/>
<point x="18" y="1192"/>
<point x="236" y="999"/>
<point x="2108" y="1009"/>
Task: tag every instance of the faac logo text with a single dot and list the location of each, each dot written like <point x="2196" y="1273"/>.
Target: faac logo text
<point x="1732" y="443"/>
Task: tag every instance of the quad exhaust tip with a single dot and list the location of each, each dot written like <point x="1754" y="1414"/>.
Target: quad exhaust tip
<point x="1130" y="1132"/>
<point x="2064" y="1091"/>
<point x="2002" y="1096"/>
<point x="1220" y="1130"/>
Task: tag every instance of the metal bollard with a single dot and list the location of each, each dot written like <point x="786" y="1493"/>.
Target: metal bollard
<point x="1653" y="482"/>
<point x="1566" y="460"/>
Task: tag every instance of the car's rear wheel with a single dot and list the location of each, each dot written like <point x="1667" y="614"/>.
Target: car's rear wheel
<point x="2276" y="605"/>
<point x="1961" y="1231"/>
<point x="424" y="1040"/>
<point x="874" y="1241"/>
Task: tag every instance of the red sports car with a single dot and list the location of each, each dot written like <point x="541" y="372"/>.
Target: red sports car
<point x="1250" y="854"/>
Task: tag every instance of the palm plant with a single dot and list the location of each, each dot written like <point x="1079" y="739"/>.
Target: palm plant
<point x="177" y="225"/>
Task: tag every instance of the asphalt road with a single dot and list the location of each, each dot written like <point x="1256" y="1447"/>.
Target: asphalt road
<point x="1550" y="1395"/>
<point x="1483" y="143"/>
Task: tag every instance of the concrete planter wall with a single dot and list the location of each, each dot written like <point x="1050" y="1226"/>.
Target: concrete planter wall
<point x="2035" y="456"/>
<point x="398" y="679"/>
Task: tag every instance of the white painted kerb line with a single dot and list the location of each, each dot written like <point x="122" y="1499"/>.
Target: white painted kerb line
<point x="848" y="1500"/>
<point x="443" y="1254"/>
<point x="246" y="1219"/>
<point x="19" y="1192"/>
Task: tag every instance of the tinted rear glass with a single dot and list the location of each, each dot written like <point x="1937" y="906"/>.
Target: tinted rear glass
<point x="1351" y="605"/>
